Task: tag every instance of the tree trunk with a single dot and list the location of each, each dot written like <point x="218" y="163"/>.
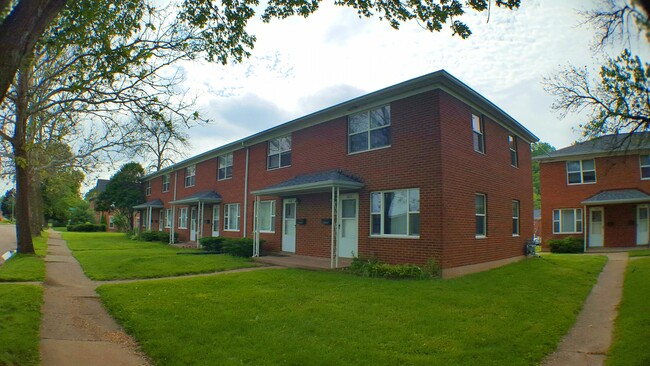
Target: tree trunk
<point x="36" y="219"/>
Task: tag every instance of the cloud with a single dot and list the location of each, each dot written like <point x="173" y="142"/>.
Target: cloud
<point x="328" y="97"/>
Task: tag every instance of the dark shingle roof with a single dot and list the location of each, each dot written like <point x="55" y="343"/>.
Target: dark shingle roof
<point x="319" y="180"/>
<point x="617" y="143"/>
<point x="205" y="196"/>
<point x="153" y="204"/>
<point x="617" y="196"/>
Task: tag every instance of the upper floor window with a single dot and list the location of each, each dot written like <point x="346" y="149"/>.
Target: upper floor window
<point x="644" y="162"/>
<point x="567" y="221"/>
<point x="165" y="183"/>
<point x="395" y="213"/>
<point x="479" y="137"/>
<point x="515" y="218"/>
<point x="581" y="171"/>
<point x="225" y="167"/>
<point x="369" y="130"/>
<point x="480" y="201"/>
<point x="279" y="152"/>
<point x="512" y="144"/>
<point x="190" y="176"/>
<point x="147" y="188"/>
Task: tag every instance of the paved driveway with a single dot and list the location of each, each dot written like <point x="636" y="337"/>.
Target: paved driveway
<point x="7" y="239"/>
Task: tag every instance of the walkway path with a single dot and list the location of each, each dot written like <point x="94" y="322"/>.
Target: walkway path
<point x="588" y="341"/>
<point x="7" y="239"/>
<point x="75" y="327"/>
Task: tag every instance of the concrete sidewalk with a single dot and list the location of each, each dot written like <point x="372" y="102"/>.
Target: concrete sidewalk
<point x="588" y="341"/>
<point x="75" y="327"/>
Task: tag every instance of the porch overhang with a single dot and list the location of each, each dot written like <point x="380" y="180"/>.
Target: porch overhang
<point x="312" y="183"/>
<point x="149" y="204"/>
<point x="201" y="197"/>
<point x="618" y="196"/>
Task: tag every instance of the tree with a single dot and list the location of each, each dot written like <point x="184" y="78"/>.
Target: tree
<point x="9" y="203"/>
<point x="123" y="191"/>
<point x="538" y="149"/>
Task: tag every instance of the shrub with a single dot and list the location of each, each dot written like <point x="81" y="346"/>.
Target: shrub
<point x="371" y="267"/>
<point x="163" y="236"/>
<point x="87" y="227"/>
<point x="566" y="245"/>
<point x="239" y="247"/>
<point x="212" y="243"/>
<point x="149" y="236"/>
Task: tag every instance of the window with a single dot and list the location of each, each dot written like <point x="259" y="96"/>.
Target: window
<point x="369" y="130"/>
<point x="581" y="171"/>
<point x="395" y="213"/>
<point x="266" y="213"/>
<point x="479" y="138"/>
<point x="512" y="143"/>
<point x="111" y="222"/>
<point x="644" y="162"/>
<point x="279" y="152"/>
<point x="225" y="167"/>
<point x="190" y="176"/>
<point x="515" y="218"/>
<point x="567" y="221"/>
<point x="168" y="217"/>
<point x="147" y="188"/>
<point x="182" y="218"/>
<point x="231" y="217"/>
<point x="165" y="183"/>
<point x="480" y="201"/>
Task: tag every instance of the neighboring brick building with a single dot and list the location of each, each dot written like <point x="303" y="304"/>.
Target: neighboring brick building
<point x="598" y="190"/>
<point x="427" y="168"/>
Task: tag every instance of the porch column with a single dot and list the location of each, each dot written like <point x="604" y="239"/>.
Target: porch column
<point x="199" y="233"/>
<point x="149" y="222"/>
<point x="332" y="232"/>
<point x="336" y="253"/>
<point x="256" y="225"/>
<point x="171" y="230"/>
<point x="585" y="227"/>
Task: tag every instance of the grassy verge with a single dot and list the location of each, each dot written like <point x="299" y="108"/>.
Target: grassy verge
<point x="631" y="342"/>
<point x="26" y="267"/>
<point x="639" y="253"/>
<point x="20" y="316"/>
<point x="110" y="256"/>
<point x="514" y="315"/>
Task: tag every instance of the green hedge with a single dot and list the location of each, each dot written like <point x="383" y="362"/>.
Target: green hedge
<point x="371" y="267"/>
<point x="161" y="236"/>
<point x="566" y="245"/>
<point x="87" y="227"/>
<point x="237" y="247"/>
<point x="212" y="243"/>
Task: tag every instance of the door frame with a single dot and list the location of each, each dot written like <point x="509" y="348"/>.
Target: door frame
<point x="602" y="225"/>
<point x="285" y="244"/>
<point x="636" y="228"/>
<point x="216" y="208"/>
<point x="161" y="219"/>
<point x="340" y="219"/>
<point x="193" y="222"/>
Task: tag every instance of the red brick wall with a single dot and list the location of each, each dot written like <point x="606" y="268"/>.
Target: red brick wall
<point x="612" y="172"/>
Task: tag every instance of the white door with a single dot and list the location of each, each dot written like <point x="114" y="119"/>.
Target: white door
<point x="348" y="225"/>
<point x="289" y="225"/>
<point x="193" y="224"/>
<point x="215" y="219"/>
<point x="642" y="224"/>
<point x="160" y="220"/>
<point x="596" y="227"/>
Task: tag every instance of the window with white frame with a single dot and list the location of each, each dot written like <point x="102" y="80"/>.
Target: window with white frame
<point x="279" y="152"/>
<point x="515" y="218"/>
<point x="567" y="221"/>
<point x="111" y="222"/>
<point x="182" y="218"/>
<point x="165" y="183"/>
<point x="369" y="130"/>
<point x="512" y="144"/>
<point x="581" y="171"/>
<point x="225" y="167"/>
<point x="395" y="213"/>
<point x="168" y="217"/>
<point x="266" y="214"/>
<point x="480" y="201"/>
<point x="231" y="217"/>
<point x="644" y="163"/>
<point x="147" y="188"/>
<point x="477" y="132"/>
<point x="190" y="176"/>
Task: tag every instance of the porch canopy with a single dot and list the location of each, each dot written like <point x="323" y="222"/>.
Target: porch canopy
<point x="199" y="199"/>
<point x="149" y="206"/>
<point x="334" y="181"/>
<point x="617" y="196"/>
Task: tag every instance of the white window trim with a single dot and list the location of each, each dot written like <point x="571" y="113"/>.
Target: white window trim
<point x="187" y="176"/>
<point x="481" y="132"/>
<point x="484" y="214"/>
<point x="226" y="216"/>
<point x="168" y="218"/>
<point x="513" y="150"/>
<point x="272" y="217"/>
<point x="219" y="167"/>
<point x="381" y="216"/>
<point x="575" y="220"/>
<point x="147" y="188"/>
<point x="279" y="153"/>
<point x="517" y="218"/>
<point x="181" y="216"/>
<point x="641" y="166"/>
<point x="582" y="172"/>
<point x="167" y="183"/>
<point x="389" y="125"/>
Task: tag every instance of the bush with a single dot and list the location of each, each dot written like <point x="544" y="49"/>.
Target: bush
<point x="163" y="236"/>
<point x="149" y="236"/>
<point x="87" y="227"/>
<point x="239" y="247"/>
<point x="566" y="245"/>
<point x="371" y="267"/>
<point x="152" y="235"/>
<point x="212" y="243"/>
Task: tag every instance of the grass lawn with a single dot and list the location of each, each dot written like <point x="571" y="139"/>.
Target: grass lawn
<point x="639" y="253"/>
<point x="20" y="317"/>
<point x="631" y="342"/>
<point x="514" y="315"/>
<point x="110" y="256"/>
<point x="26" y="267"/>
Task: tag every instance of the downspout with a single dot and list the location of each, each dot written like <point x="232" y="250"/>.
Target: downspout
<point x="338" y="228"/>
<point x="171" y="237"/>
<point x="246" y="192"/>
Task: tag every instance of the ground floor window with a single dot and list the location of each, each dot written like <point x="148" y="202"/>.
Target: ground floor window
<point x="480" y="201"/>
<point x="266" y="215"/>
<point x="515" y="218"/>
<point x="111" y="223"/>
<point x="168" y="217"/>
<point x="395" y="213"/>
<point x="567" y="221"/>
<point x="231" y="217"/>
<point x="182" y="218"/>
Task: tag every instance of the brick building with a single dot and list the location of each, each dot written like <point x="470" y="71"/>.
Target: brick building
<point x="598" y="190"/>
<point x="427" y="168"/>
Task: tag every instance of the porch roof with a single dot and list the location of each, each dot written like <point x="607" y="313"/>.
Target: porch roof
<point x="150" y="204"/>
<point x="312" y="183"/>
<point x="617" y="196"/>
<point x="206" y="197"/>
